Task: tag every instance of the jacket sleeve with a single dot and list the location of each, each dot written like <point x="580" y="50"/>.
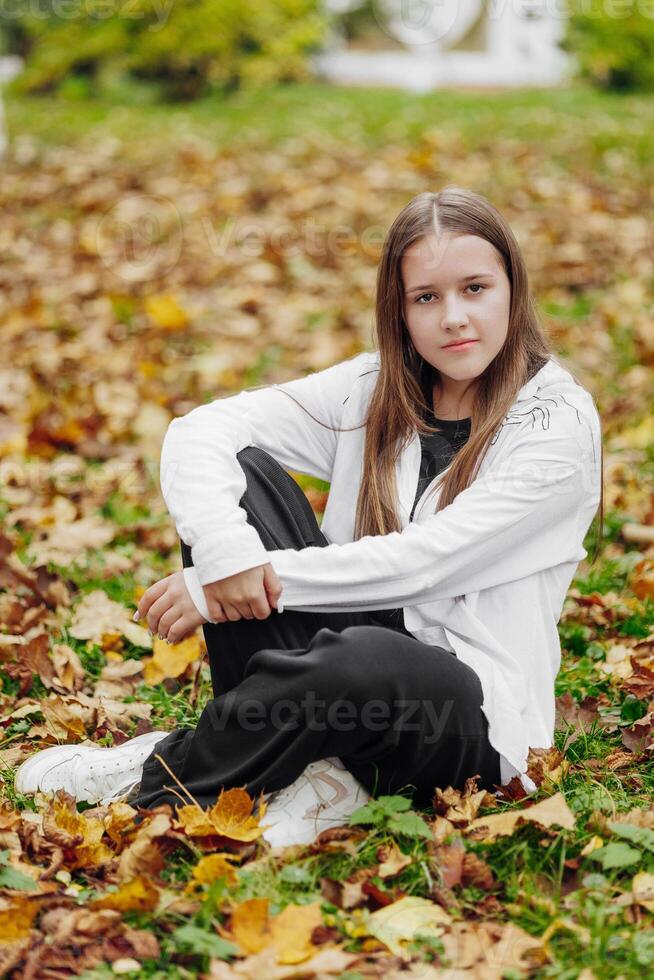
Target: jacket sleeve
<point x="202" y="481"/>
<point x="521" y="517"/>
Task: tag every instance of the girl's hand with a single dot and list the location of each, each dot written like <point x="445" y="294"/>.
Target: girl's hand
<point x="251" y="594"/>
<point x="169" y="610"/>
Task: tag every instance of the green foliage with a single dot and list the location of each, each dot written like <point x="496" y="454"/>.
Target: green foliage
<point x="617" y="854"/>
<point x="13" y="878"/>
<point x="393" y="814"/>
<point x="202" y="942"/>
<point x="613" y="43"/>
<point x="186" y="47"/>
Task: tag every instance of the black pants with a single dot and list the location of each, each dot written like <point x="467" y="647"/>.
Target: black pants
<point x="403" y="716"/>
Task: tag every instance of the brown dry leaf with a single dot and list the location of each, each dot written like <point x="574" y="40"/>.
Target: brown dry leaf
<point x="171" y="659"/>
<point x="137" y="895"/>
<point x="392" y="861"/>
<point x="642" y="887"/>
<point x="97" y="614"/>
<point x="399" y="922"/>
<point x="78" y="833"/>
<point x="637" y="817"/>
<point x="642" y="581"/>
<point x="546" y="766"/>
<point x="639" y="736"/>
<point x="119" y="824"/>
<point x="143" y="856"/>
<point x="489" y="949"/>
<point x="460" y="806"/>
<point x="66" y="719"/>
<point x="476" y="873"/>
<point x="68" y="671"/>
<point x="579" y="714"/>
<point x="64" y="542"/>
<point x="230" y="816"/>
<point x="553" y="810"/>
<point x="449" y="859"/>
<point x="618" y="661"/>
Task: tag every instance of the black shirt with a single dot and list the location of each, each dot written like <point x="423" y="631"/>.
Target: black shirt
<point x="438" y="450"/>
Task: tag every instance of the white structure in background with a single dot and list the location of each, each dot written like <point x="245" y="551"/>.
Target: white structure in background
<point x="453" y="42"/>
<point x="10" y="65"/>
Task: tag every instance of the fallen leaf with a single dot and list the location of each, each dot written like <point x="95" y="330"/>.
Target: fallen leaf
<point x="403" y="920"/>
<point x="553" y="810"/>
<point x="231" y="816"/>
<point x="137" y="895"/>
<point x="171" y="659"/>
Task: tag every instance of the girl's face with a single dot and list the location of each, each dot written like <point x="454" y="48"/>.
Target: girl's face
<point x="456" y="289"/>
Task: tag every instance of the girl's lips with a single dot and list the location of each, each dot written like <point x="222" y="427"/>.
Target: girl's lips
<point x="464" y="346"/>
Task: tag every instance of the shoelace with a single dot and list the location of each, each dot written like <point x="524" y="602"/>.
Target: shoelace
<point x="317" y="790"/>
<point x="103" y="785"/>
<point x="282" y="796"/>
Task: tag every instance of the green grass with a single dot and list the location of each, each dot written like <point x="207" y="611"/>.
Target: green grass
<point x="374" y="116"/>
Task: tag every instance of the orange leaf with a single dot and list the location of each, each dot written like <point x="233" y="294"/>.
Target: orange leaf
<point x="230" y="816"/>
<point x="250" y="927"/>
<point x="16" y="921"/>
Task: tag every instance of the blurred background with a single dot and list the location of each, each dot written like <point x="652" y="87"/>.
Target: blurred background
<point x="193" y="198"/>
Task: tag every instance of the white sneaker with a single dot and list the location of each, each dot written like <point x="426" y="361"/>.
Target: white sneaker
<point x="325" y="795"/>
<point x="88" y="772"/>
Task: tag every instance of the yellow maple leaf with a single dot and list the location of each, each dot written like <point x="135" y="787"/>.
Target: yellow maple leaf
<point x="214" y="866"/>
<point x="137" y="895"/>
<point x="170" y="660"/>
<point x="292" y="929"/>
<point x="250" y="926"/>
<point x="85" y="833"/>
<point x="16" y="920"/>
<point x="166" y="311"/>
<point x="230" y="816"/>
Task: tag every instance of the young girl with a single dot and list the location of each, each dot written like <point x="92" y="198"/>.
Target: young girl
<point x="412" y="641"/>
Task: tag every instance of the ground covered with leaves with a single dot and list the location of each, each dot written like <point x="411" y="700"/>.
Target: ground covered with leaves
<point x="150" y="266"/>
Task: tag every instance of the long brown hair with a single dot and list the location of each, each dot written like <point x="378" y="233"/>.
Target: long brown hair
<point x="403" y="390"/>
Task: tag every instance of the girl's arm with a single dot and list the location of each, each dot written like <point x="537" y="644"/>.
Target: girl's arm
<point x="529" y="514"/>
<point x="202" y="481"/>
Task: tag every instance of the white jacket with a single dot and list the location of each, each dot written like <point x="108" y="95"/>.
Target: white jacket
<point x="485" y="577"/>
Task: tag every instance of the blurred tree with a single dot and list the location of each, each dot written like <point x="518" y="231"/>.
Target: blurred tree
<point x="613" y="43"/>
<point x="186" y="46"/>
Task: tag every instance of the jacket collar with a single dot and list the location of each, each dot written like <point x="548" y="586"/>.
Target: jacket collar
<point x="550" y="372"/>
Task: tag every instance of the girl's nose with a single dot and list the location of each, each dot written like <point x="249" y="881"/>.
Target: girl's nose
<point x="454" y="313"/>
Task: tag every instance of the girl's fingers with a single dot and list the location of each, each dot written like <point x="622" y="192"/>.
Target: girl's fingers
<point x="167" y="620"/>
<point x="178" y="630"/>
<point x="220" y="616"/>
<point x="231" y="612"/>
<point x="149" y="597"/>
<point x="157" y="609"/>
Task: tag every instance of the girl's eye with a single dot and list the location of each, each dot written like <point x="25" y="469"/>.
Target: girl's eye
<point x="477" y="284"/>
